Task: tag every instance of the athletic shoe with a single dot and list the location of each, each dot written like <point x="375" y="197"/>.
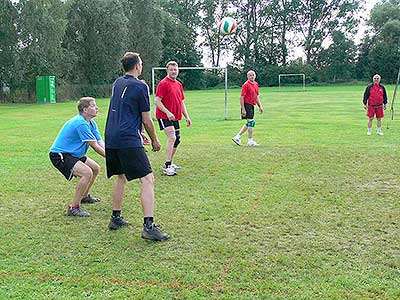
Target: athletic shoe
<point x="379" y="133"/>
<point x="252" y="144"/>
<point x="154" y="233"/>
<point x="117" y="222"/>
<point x="368" y="132"/>
<point x="77" y="212"/>
<point x="237" y="140"/>
<point x="90" y="199"/>
<point x="176" y="167"/>
<point x="170" y="171"/>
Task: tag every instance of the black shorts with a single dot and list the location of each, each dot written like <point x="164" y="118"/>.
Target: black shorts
<point x="166" y="123"/>
<point x="65" y="162"/>
<point x="133" y="162"/>
<point x="249" y="111"/>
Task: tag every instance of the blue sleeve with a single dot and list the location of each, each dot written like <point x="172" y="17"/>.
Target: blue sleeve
<point x="95" y="130"/>
<point x="85" y="134"/>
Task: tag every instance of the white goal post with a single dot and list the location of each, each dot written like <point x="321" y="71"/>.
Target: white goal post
<point x="195" y="68"/>
<point x="291" y="75"/>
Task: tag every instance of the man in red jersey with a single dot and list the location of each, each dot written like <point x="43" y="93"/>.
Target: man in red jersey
<point x="248" y="98"/>
<point x="170" y="107"/>
<point x="375" y="100"/>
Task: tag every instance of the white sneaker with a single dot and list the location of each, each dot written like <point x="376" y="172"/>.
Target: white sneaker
<point x="368" y="132"/>
<point x="237" y="140"/>
<point x="176" y="167"/>
<point x="170" y="171"/>
<point x="379" y="133"/>
<point x="252" y="144"/>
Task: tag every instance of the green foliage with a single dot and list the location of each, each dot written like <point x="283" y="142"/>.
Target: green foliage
<point x="41" y="28"/>
<point x="96" y="37"/>
<point x="8" y="44"/>
<point x="145" y="31"/>
<point x="383" y="48"/>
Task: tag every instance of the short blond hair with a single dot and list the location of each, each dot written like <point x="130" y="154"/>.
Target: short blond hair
<point x="84" y="102"/>
<point x="171" y="63"/>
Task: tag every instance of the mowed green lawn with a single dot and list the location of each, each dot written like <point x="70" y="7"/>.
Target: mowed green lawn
<point x="313" y="213"/>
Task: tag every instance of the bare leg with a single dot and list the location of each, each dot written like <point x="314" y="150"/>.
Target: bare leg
<point x="95" y="169"/>
<point x="119" y="191"/>
<point x="370" y="123"/>
<point x="242" y="130"/>
<point x="147" y="195"/>
<point x="169" y="151"/>
<point x="379" y="122"/>
<point x="85" y="173"/>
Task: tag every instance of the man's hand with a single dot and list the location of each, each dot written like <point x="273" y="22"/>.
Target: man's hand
<point x="384" y="106"/>
<point x="188" y="122"/>
<point x="261" y="109"/>
<point x="244" y="112"/>
<point x="171" y="116"/>
<point x="156" y="145"/>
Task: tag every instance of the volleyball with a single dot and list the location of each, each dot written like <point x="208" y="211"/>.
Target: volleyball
<point x="227" y="25"/>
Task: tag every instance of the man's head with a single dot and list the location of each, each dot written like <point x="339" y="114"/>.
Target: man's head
<point x="172" y="69"/>
<point x="251" y="75"/>
<point x="87" y="107"/>
<point x="376" y="78"/>
<point x="131" y="62"/>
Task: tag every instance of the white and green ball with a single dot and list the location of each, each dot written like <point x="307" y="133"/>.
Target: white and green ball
<point x="227" y="25"/>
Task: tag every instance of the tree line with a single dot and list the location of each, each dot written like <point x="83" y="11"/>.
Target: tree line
<point x="81" y="41"/>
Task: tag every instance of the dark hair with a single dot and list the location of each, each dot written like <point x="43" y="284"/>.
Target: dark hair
<point x="130" y="60"/>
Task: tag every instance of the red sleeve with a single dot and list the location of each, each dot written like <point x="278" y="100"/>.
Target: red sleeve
<point x="244" y="90"/>
<point x="183" y="94"/>
<point x="162" y="89"/>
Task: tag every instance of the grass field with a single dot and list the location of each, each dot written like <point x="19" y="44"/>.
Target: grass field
<point x="313" y="213"/>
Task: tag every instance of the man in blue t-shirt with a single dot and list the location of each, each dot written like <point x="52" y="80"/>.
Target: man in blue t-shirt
<point x="125" y="155"/>
<point x="69" y="149"/>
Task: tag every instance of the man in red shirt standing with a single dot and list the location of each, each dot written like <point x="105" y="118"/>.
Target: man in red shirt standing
<point x="248" y="98"/>
<point x="375" y="100"/>
<point x="170" y="106"/>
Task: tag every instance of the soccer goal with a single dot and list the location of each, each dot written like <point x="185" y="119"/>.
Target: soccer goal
<point x="223" y="69"/>
<point x="292" y="80"/>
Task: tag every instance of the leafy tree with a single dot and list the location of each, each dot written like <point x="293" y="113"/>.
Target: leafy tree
<point x="96" y="40"/>
<point x="212" y="12"/>
<point x="41" y="27"/>
<point x="8" y="43"/>
<point x="179" y="41"/>
<point x="384" y="53"/>
<point x="145" y="31"/>
<point x="340" y="57"/>
<point x="318" y="19"/>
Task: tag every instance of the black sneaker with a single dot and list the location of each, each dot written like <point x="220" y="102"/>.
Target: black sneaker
<point x="90" y="199"/>
<point x="152" y="232"/>
<point x="76" y="212"/>
<point x="117" y="222"/>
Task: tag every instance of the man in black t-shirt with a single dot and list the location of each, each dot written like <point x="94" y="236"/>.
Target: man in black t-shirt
<point x="125" y="155"/>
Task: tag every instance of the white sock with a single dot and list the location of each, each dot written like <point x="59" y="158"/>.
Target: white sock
<point x="379" y="129"/>
<point x="369" y="129"/>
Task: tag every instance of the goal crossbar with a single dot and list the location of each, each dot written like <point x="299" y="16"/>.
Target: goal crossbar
<point x="195" y="68"/>
<point x="291" y="75"/>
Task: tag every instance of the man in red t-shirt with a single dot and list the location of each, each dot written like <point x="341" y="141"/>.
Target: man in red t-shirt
<point x="170" y="106"/>
<point x="248" y="98"/>
<point x="375" y="100"/>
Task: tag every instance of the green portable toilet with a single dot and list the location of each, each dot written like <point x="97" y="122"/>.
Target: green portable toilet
<point x="45" y="89"/>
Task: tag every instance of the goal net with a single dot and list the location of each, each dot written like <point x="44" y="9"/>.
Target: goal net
<point x="200" y="78"/>
<point x="292" y="80"/>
